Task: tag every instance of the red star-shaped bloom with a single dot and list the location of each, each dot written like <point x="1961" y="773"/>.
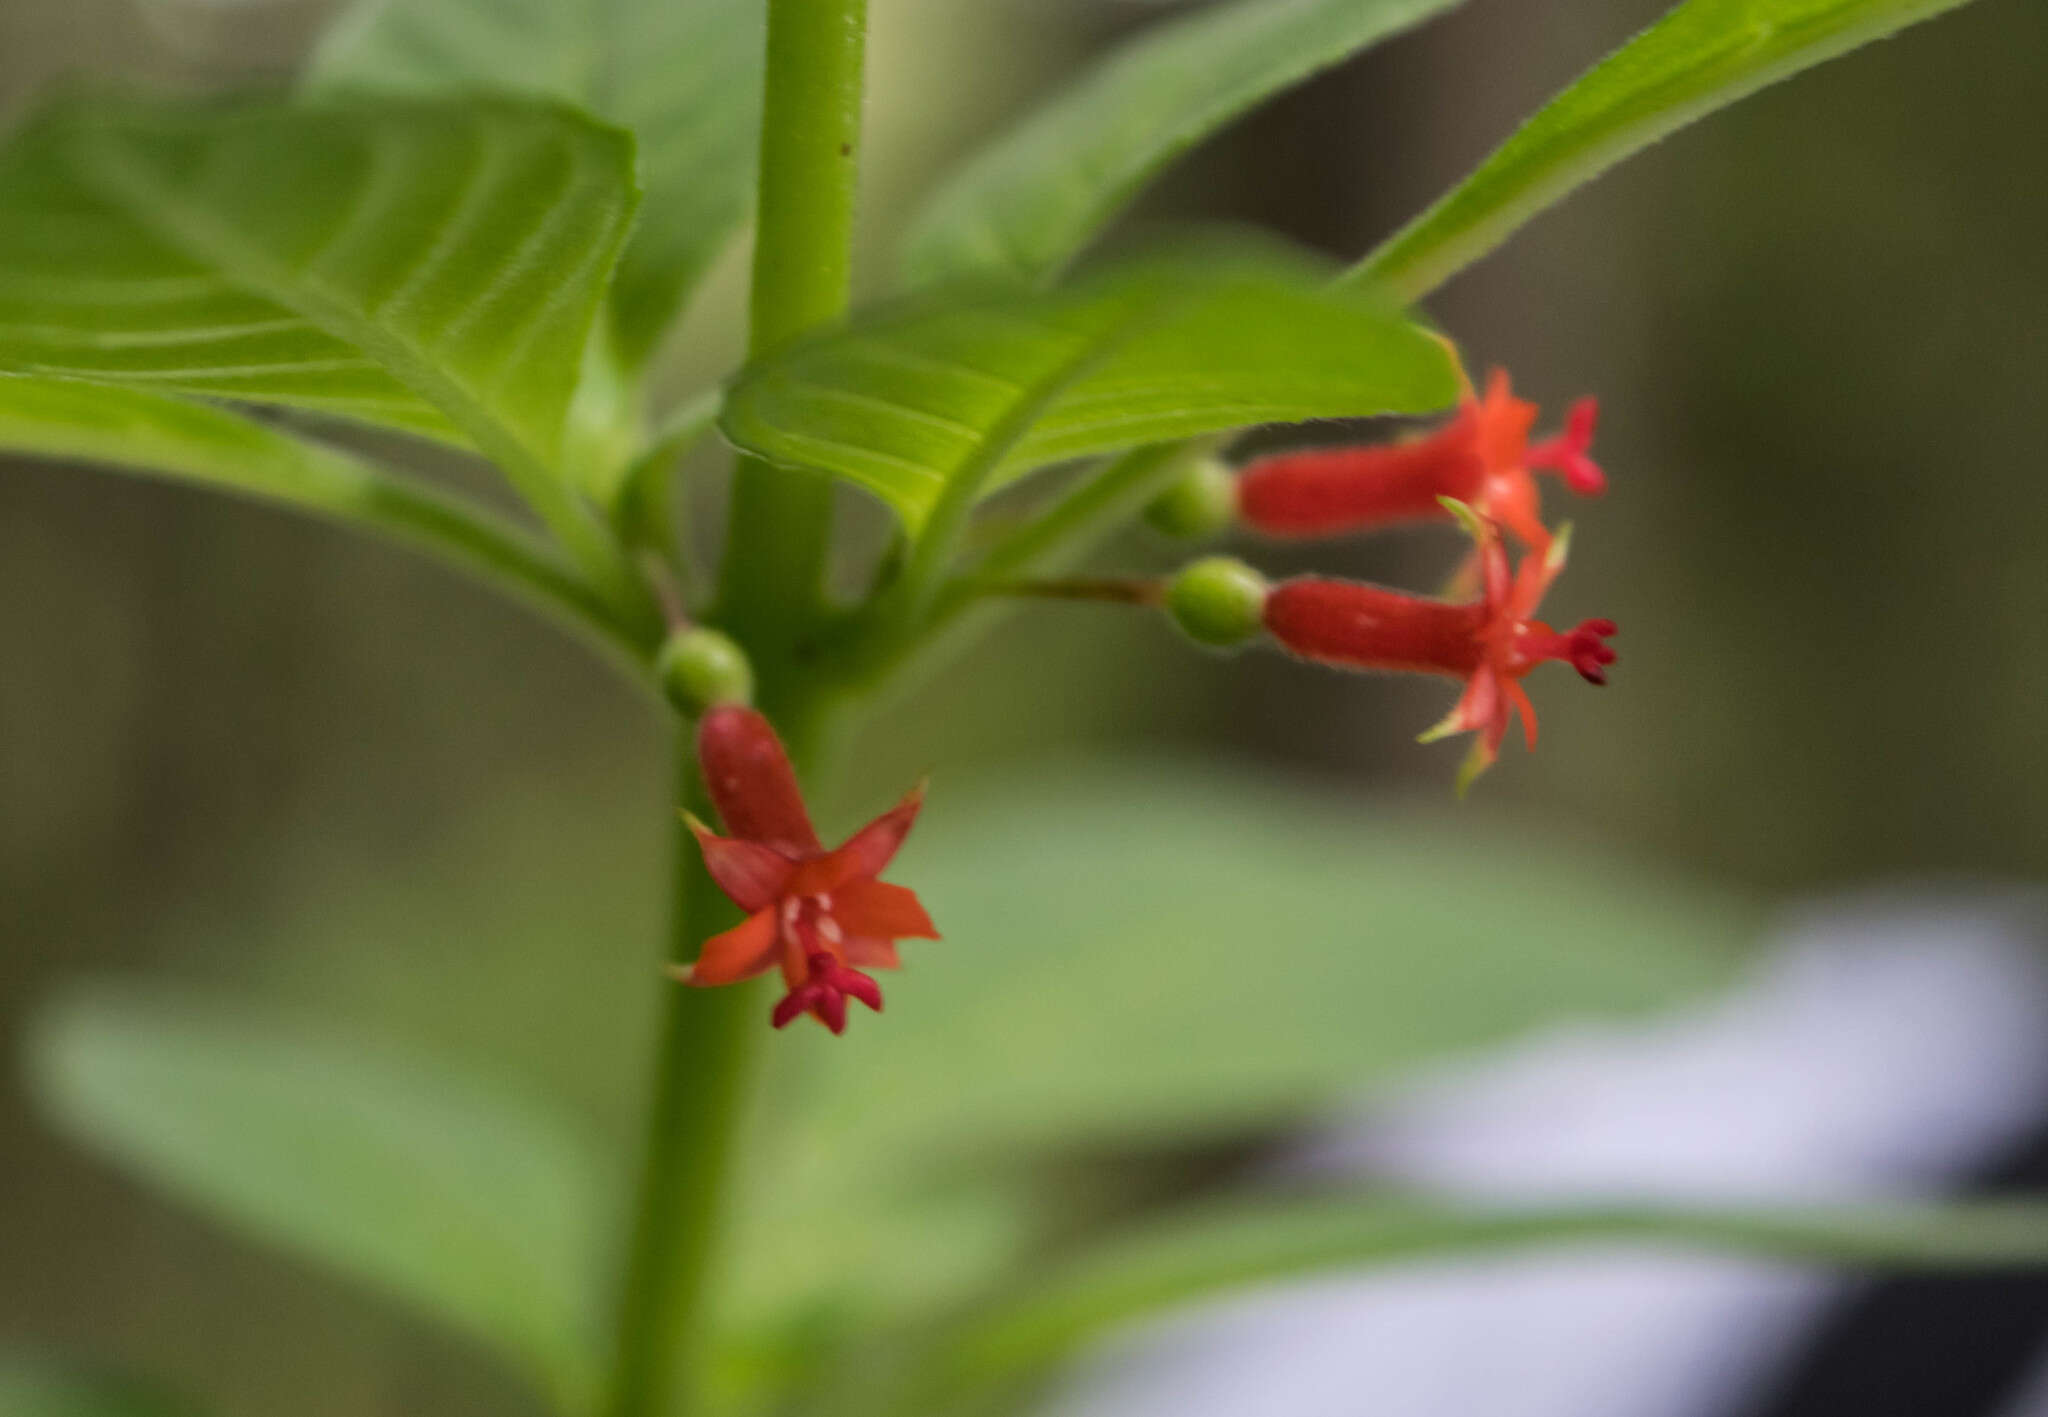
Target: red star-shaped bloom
<point x="1491" y="642"/>
<point x="821" y="916"/>
<point x="1481" y="457"/>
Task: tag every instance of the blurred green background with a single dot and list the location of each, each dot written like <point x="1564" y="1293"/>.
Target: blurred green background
<point x="245" y="750"/>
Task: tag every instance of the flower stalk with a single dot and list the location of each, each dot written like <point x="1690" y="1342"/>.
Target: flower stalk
<point x="770" y="602"/>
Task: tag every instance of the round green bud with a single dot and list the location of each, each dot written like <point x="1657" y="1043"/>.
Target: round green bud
<point x="700" y="667"/>
<point x="1218" y="601"/>
<point x="1202" y="503"/>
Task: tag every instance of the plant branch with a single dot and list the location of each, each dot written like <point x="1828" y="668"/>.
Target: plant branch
<point x="702" y="1065"/>
<point x="772" y="581"/>
<point x="771" y="598"/>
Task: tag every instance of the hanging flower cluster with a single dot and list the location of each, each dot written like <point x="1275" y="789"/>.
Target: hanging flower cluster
<point x="1479" y="469"/>
<point x="825" y="918"/>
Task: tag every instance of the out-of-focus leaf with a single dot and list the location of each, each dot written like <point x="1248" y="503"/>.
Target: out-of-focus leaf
<point x="39" y="1387"/>
<point x="982" y="386"/>
<point x="433" y="267"/>
<point x="1025" y="205"/>
<point x="192" y="442"/>
<point x="1194" y="1256"/>
<point x="1702" y="56"/>
<point x="448" y="1195"/>
<point x="683" y="75"/>
<point x="1135" y="954"/>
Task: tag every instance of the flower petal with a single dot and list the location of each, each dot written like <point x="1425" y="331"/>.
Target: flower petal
<point x="870" y="907"/>
<point x="740" y="953"/>
<point x="1519" y="697"/>
<point x="867" y="853"/>
<point x="750" y="779"/>
<point x="752" y="874"/>
<point x="871" y="952"/>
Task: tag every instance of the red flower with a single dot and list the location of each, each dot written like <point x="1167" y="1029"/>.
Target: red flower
<point x="1490" y="642"/>
<point x="1482" y="457"/>
<point x="821" y="915"/>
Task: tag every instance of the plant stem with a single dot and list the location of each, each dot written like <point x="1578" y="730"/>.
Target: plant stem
<point x="702" y="1064"/>
<point x="1095" y="506"/>
<point x="772" y="582"/>
<point x="771" y="597"/>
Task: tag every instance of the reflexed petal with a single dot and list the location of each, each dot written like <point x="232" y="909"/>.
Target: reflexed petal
<point x="867" y="852"/>
<point x="871" y="952"/>
<point x="1519" y="698"/>
<point x="752" y="874"/>
<point x="740" y="953"/>
<point x="1511" y="500"/>
<point x="1483" y="706"/>
<point x="750" y="779"/>
<point x="1502" y="424"/>
<point x="869" y="907"/>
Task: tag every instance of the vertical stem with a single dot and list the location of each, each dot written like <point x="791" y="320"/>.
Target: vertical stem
<point x="702" y="1065"/>
<point x="773" y="577"/>
<point x="771" y="593"/>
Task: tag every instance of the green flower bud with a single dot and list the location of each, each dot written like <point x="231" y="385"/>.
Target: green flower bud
<point x="1202" y="503"/>
<point x="701" y="667"/>
<point x="1218" y="601"/>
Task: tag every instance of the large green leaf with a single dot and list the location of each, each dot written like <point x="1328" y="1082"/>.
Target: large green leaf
<point x="435" y="267"/>
<point x="1138" y="954"/>
<point x="1028" y="203"/>
<point x="1189" y="1257"/>
<point x="683" y="75"/>
<point x="40" y="1387"/>
<point x="974" y="388"/>
<point x="1702" y="56"/>
<point x="160" y="436"/>
<point x="1134" y="952"/>
<point x="1102" y="919"/>
<point x="444" y="1193"/>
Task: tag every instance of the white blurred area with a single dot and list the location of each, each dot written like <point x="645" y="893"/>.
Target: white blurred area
<point x="1887" y="1046"/>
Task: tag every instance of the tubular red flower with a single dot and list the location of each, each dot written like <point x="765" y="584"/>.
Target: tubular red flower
<point x="1481" y="457"/>
<point x="1491" y="642"/>
<point x="822" y="916"/>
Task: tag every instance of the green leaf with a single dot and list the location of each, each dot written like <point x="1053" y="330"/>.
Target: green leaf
<point x="1028" y="203"/>
<point x="40" y="1387"/>
<point x="1137" y="954"/>
<point x="1213" y="1251"/>
<point x="440" y="1192"/>
<point x="167" y="437"/>
<point x="433" y="267"/>
<point x="1702" y="56"/>
<point x="968" y="390"/>
<point x="683" y="75"/>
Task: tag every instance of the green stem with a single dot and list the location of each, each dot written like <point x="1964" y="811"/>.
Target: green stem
<point x="500" y="553"/>
<point x="702" y="1064"/>
<point x="772" y="582"/>
<point x="963" y="608"/>
<point x="1096" y="506"/>
<point x="771" y="598"/>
